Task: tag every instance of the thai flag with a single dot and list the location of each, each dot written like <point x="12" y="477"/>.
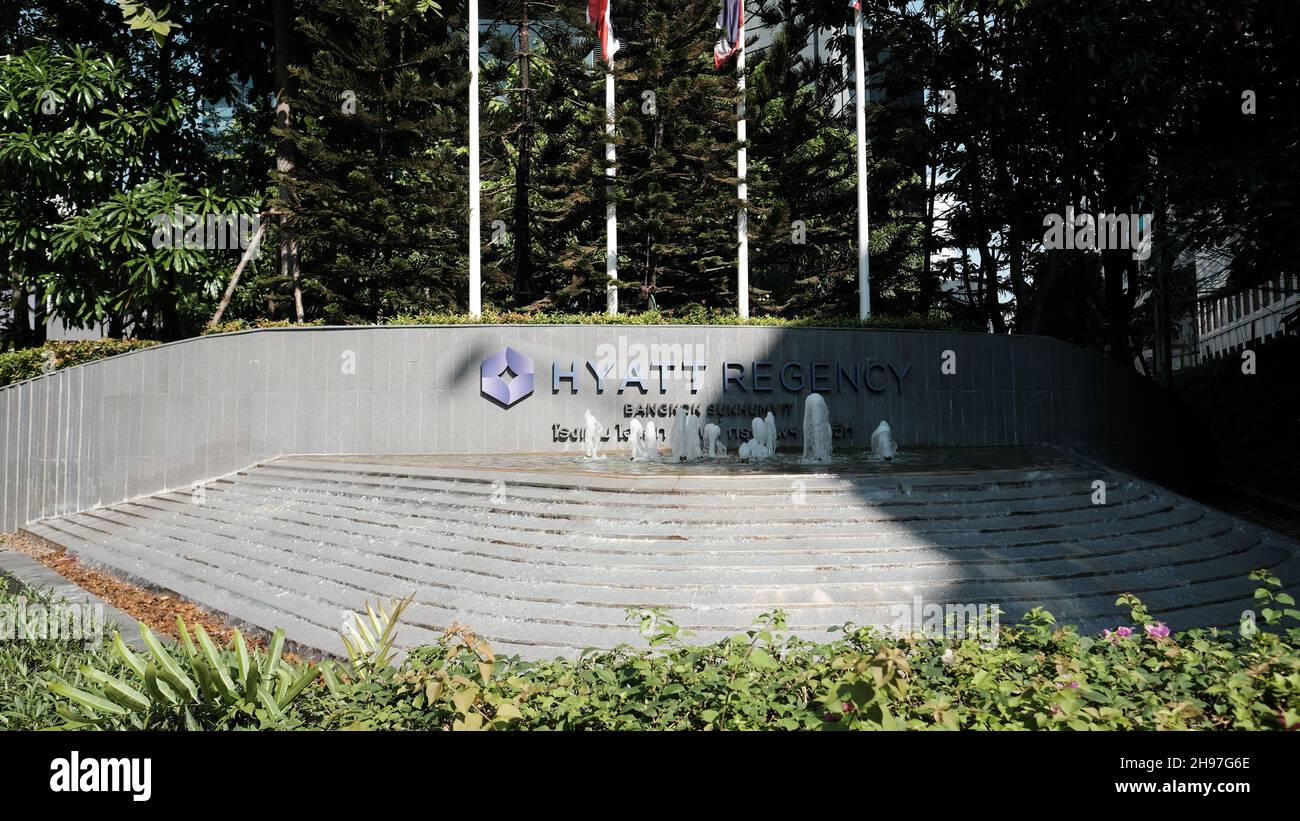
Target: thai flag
<point x="731" y="19"/>
<point x="856" y="5"/>
<point x="601" y="16"/>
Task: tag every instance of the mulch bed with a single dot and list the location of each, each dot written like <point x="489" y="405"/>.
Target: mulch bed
<point x="157" y="609"/>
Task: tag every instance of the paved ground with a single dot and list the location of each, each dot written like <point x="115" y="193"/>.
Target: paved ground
<point x="17" y="570"/>
<point x="545" y="556"/>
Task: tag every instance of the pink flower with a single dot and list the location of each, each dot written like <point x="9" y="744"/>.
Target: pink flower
<point x="1159" y="630"/>
<point x="1119" y="633"/>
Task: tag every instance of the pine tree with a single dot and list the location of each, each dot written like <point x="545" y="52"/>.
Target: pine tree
<point x="677" y="154"/>
<point x="548" y="133"/>
<point x="802" y="167"/>
<point x="379" y="192"/>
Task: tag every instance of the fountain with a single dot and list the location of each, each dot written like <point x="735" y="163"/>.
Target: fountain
<point x="595" y="430"/>
<point x="635" y="441"/>
<point x="677" y="435"/>
<point x="758" y="440"/>
<point x="714" y="447"/>
<point x="693" y="436"/>
<point x="770" y="424"/>
<point x="883" y="445"/>
<point x="644" y="441"/>
<point x="684" y="438"/>
<point x="816" y="430"/>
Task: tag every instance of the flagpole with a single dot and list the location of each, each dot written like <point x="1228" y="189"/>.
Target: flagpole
<point x="742" y="189"/>
<point x="864" y="263"/>
<point x="475" y="284"/>
<point x="611" y="208"/>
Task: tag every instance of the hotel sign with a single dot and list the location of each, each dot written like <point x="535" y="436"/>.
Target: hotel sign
<point x="508" y="376"/>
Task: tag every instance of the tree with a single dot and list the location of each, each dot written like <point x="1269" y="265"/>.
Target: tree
<point x="802" y="171"/>
<point x="378" y="190"/>
<point x="677" y="152"/>
<point x="548" y="136"/>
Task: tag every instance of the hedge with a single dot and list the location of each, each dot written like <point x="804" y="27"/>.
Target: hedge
<point x="933" y="322"/>
<point x="1038" y="674"/>
<point x="27" y="363"/>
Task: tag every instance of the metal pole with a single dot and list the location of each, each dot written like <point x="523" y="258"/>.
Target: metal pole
<point x="742" y="189"/>
<point x="864" y="263"/>
<point x="475" y="283"/>
<point x="611" y="209"/>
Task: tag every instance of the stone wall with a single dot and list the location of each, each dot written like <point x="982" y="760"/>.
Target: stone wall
<point x="170" y="416"/>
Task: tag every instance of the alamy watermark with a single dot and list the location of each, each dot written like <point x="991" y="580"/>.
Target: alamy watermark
<point x="1081" y="231"/>
<point x="25" y="620"/>
<point x="213" y="232"/>
<point x="949" y="622"/>
<point x="667" y="360"/>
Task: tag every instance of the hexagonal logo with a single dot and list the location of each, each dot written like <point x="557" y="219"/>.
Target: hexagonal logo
<point x="507" y="376"/>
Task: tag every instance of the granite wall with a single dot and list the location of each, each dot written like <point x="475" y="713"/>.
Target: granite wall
<point x="169" y="416"/>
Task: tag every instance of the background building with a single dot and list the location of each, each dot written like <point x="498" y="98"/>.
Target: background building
<point x="1229" y="320"/>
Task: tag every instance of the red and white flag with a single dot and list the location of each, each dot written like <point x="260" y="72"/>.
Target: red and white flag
<point x="856" y="5"/>
<point x="731" y="19"/>
<point x="601" y="16"/>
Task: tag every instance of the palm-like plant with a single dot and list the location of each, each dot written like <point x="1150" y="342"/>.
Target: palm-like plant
<point x="370" y="640"/>
<point x="206" y="687"/>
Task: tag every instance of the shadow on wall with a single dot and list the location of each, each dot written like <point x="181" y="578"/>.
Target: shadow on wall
<point x="1011" y="538"/>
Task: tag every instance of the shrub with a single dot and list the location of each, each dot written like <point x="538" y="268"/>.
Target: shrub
<point x="26" y="703"/>
<point x="28" y="363"/>
<point x="696" y="316"/>
<point x="1037" y="675"/>
<point x="231" y="325"/>
<point x="204" y="688"/>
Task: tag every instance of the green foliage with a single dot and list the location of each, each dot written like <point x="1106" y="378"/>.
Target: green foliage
<point x="25" y="701"/>
<point x="116" y="238"/>
<point x="1038" y="675"/>
<point x="194" y="686"/>
<point x="370" y="639"/>
<point x="1272" y="597"/>
<point x="231" y="325"/>
<point x="28" y="363"/>
<point x="140" y="17"/>
<point x="693" y="316"/>
<point x="80" y="153"/>
<point x="378" y="194"/>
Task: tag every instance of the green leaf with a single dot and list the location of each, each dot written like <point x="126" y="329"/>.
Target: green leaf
<point x="220" y="678"/>
<point x="273" y="654"/>
<point x="300" y="684"/>
<point x="269" y="704"/>
<point x="125" y="653"/>
<point x="241" y="655"/>
<point x="118" y="690"/>
<point x="168" y="668"/>
<point x="85" y="699"/>
<point x="157" y="688"/>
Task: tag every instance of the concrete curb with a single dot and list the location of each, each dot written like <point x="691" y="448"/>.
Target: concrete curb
<point x="18" y="569"/>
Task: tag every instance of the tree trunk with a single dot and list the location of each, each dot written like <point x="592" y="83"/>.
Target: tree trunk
<point x="249" y="253"/>
<point x="990" y="290"/>
<point x="284" y="154"/>
<point x="927" y="242"/>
